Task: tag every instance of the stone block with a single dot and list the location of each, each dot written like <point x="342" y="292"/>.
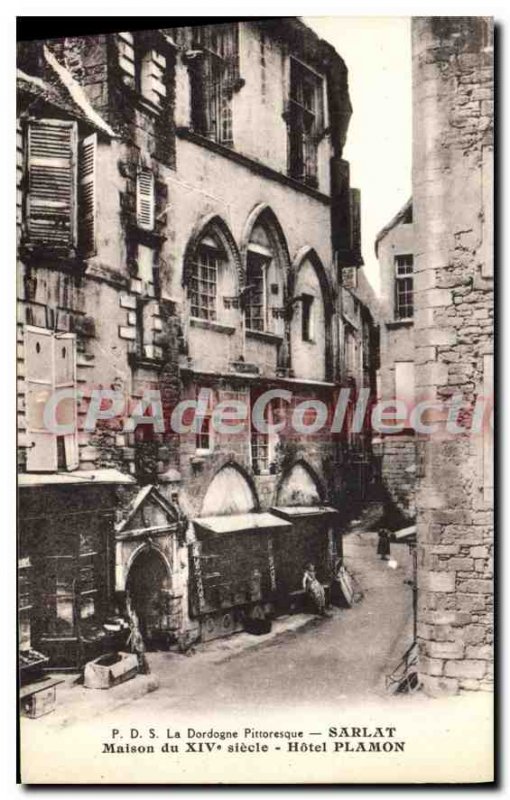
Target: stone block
<point x="127" y="301"/>
<point x="465" y="668"/>
<point x="475" y="586"/>
<point x="469" y="685"/>
<point x="473" y="634"/>
<point x="438" y="337"/>
<point x="436" y="298"/>
<point x="465" y="564"/>
<point x="432" y="374"/>
<point x="483" y="652"/>
<point x="431" y="666"/>
<point x="127" y="333"/>
<point x="479" y="552"/>
<point x="437" y="581"/>
<point x="439" y="686"/>
<point x="444" y="649"/>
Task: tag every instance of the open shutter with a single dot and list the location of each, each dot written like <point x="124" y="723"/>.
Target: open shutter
<point x="145" y="199"/>
<point x="65" y="378"/>
<point x="51" y="161"/>
<point x="42" y="444"/>
<point x="87" y="195"/>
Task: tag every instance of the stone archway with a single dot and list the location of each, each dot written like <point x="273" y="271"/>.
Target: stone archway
<point x="148" y="586"/>
<point x="300" y="486"/>
<point x="230" y="492"/>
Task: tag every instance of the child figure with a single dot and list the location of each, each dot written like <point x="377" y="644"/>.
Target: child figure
<point x="314" y="589"/>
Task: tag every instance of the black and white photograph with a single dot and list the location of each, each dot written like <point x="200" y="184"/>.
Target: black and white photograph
<point x="255" y="367"/>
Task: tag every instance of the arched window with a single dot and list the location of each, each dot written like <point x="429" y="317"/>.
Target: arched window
<point x="265" y="277"/>
<point x="212" y="280"/>
<point x="310" y="330"/>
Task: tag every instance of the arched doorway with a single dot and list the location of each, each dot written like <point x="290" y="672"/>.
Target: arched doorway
<point x="148" y="587"/>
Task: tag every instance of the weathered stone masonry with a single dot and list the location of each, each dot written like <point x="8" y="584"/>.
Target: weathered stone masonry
<point x="452" y="195"/>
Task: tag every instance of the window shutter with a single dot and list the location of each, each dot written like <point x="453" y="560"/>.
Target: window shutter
<point x="153" y="77"/>
<point x="42" y="444"/>
<point x="51" y="208"/>
<point x="355" y="198"/>
<point x="87" y="196"/>
<point x="65" y="378"/>
<point x="145" y="199"/>
<point x="126" y="56"/>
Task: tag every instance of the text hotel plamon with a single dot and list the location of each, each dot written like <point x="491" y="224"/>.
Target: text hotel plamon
<point x="214" y="405"/>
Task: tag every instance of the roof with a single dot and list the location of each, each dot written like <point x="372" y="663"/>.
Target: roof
<point x="58" y="88"/>
<point x="77" y="94"/>
<point x="139" y="499"/>
<point x="392" y="223"/>
<point x="27" y="479"/>
<point x="235" y="523"/>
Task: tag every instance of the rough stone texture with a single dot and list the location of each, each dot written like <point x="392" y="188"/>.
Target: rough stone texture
<point x="452" y="184"/>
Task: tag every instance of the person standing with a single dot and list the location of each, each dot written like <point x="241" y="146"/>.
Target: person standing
<point x="383" y="545"/>
<point x="314" y="589"/>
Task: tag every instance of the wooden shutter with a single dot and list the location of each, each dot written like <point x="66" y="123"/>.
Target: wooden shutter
<point x="355" y="205"/>
<point x="51" y="161"/>
<point x="126" y="55"/>
<point x="87" y="195"/>
<point x="145" y="199"/>
<point x="42" y="444"/>
<point x="153" y="77"/>
<point x="65" y="378"/>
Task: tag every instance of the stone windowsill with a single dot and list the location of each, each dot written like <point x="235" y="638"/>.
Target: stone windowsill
<point x="210" y="325"/>
<point x="400" y="323"/>
<point x="264" y="336"/>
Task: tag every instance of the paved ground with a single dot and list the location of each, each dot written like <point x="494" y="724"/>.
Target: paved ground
<point x="322" y="672"/>
<point x="313" y="662"/>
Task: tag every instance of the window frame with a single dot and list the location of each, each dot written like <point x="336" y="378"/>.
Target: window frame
<point x="262" y="261"/>
<point x="218" y="78"/>
<point x="307" y="318"/>
<point x="209" y="433"/>
<point x="401" y="290"/>
<point x="305" y="121"/>
<point x="197" y="267"/>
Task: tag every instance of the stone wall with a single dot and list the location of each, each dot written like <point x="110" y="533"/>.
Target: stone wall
<point x="452" y="196"/>
<point x="398" y="469"/>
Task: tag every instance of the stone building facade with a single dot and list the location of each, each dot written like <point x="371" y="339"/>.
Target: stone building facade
<point x="394" y="248"/>
<point x="453" y="322"/>
<point x="185" y="217"/>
